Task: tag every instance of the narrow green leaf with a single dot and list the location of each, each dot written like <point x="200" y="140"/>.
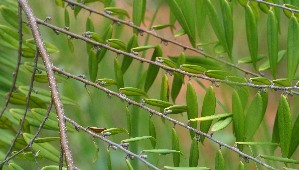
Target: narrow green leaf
<point x="238" y="118"/>
<point x="167" y="62"/>
<point x="12" y="166"/>
<point x="89" y="26"/>
<point x="118" y="74"/>
<point x="194" y="153"/>
<point x="10" y="36"/>
<point x="284" y="82"/>
<point x="138" y="11"/>
<point x="130" y="167"/>
<point x="114" y="131"/>
<point x="175" y="146"/>
<point x="212" y="117"/>
<point x="186" y="168"/>
<point x="106" y="82"/>
<point x="241" y="166"/>
<point x="266" y="64"/>
<point x="279" y="159"/>
<point x="92" y="65"/>
<point x="272" y="36"/>
<point x="66" y="18"/>
<point x="164" y="91"/>
<point x="9" y="15"/>
<point x="221" y="124"/>
<point x="201" y="13"/>
<point x="108" y="157"/>
<point x="117" y="11"/>
<point x="195" y="69"/>
<point x="161" y="26"/>
<point x="219" y="161"/>
<point x="292" y="45"/>
<point x="161" y="151"/>
<point x="135" y="139"/>
<point x="258" y="143"/>
<point x="228" y="25"/>
<point x="178" y="80"/>
<point x="217" y="74"/>
<point x="192" y="106"/>
<point x="175" y="109"/>
<point x="143" y="48"/>
<point x="252" y="34"/>
<point x="107" y="35"/>
<point x="247" y="60"/>
<point x="152" y="70"/>
<point x="60" y="3"/>
<point x="45" y="149"/>
<point x="117" y="44"/>
<point x="284" y="125"/>
<point x="52" y="167"/>
<point x="51" y="48"/>
<point x="158" y="103"/>
<point x="133" y="42"/>
<point x="255" y="115"/>
<point x="132" y="91"/>
<point x="152" y="132"/>
<point x="208" y="109"/>
<point x="46" y="139"/>
<point x="295" y="138"/>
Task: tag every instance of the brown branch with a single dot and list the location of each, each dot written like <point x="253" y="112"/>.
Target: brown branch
<point x="16" y="73"/>
<point x="278" y="6"/>
<point x="129" y="153"/>
<point x="200" y="76"/>
<point x="52" y="83"/>
<point x="152" y="111"/>
<point x="154" y="34"/>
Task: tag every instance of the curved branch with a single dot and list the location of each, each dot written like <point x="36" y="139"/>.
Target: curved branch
<point x="52" y="82"/>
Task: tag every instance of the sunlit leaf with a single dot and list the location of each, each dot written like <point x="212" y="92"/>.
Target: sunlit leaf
<point x="192" y="106"/>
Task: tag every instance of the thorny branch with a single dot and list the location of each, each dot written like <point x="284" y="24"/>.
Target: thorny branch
<point x="277" y="5"/>
<point x="154" y="34"/>
<point x="52" y="83"/>
<point x="152" y="111"/>
<point x="34" y="137"/>
<point x="15" y="74"/>
<point x="201" y="76"/>
<point x="129" y="153"/>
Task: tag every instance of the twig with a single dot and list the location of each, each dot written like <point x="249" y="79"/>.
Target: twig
<point x="175" y="122"/>
<point x="52" y="83"/>
<point x="201" y="76"/>
<point x="34" y="137"/>
<point x="28" y="97"/>
<point x="277" y="5"/>
<point x="15" y="74"/>
<point x="130" y="24"/>
<point x="129" y="153"/>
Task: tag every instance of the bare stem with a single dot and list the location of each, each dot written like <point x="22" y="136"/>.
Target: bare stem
<point x="52" y="83"/>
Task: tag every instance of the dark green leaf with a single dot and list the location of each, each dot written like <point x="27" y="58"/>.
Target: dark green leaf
<point x="194" y="153"/>
<point x="175" y="146"/>
<point x="192" y="106"/>
<point x="238" y="118"/>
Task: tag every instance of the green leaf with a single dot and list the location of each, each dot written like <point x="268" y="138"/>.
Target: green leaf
<point x="272" y="36"/>
<point x="175" y="146"/>
<point x="241" y="166"/>
<point x="133" y="42"/>
<point x="46" y="139"/>
<point x="138" y="11"/>
<point x="132" y="91"/>
<point x="260" y="81"/>
<point x="284" y="82"/>
<point x="118" y="74"/>
<point x="216" y="25"/>
<point x="284" y="125"/>
<point x="130" y="167"/>
<point x="12" y="166"/>
<point x="247" y="60"/>
<point x="152" y="70"/>
<point x="107" y="35"/>
<point x="279" y="159"/>
<point x="252" y="34"/>
<point x="60" y="3"/>
<point x="164" y="91"/>
<point x="255" y="115"/>
<point x="212" y="117"/>
<point x="178" y="80"/>
<point x="201" y="61"/>
<point x="117" y="44"/>
<point x="108" y="157"/>
<point x="208" y="109"/>
<point x="20" y="99"/>
<point x="143" y="48"/>
<point x="167" y="62"/>
<point x="289" y="13"/>
<point x="66" y="18"/>
<point x="295" y="138"/>
<point x="10" y="37"/>
<point x="114" y="131"/>
<point x="161" y="151"/>
<point x="219" y="161"/>
<point x="45" y="149"/>
<point x="92" y="65"/>
<point x="106" y="82"/>
<point x="135" y="139"/>
<point x="9" y="15"/>
<point x="152" y="132"/>
<point x="161" y="26"/>
<point x="292" y="45"/>
<point x="201" y="13"/>
<point x="195" y="69"/>
<point x="266" y="64"/>
<point x="117" y="11"/>
<point x="238" y="118"/>
<point x="217" y="74"/>
<point x="51" y="48"/>
<point x="175" y="109"/>
<point x="158" y="103"/>
<point x="52" y="167"/>
<point x="221" y="124"/>
<point x="228" y="25"/>
<point x="194" y="153"/>
<point x="192" y="106"/>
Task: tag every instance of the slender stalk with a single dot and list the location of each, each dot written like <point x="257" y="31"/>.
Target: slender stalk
<point x="52" y="83"/>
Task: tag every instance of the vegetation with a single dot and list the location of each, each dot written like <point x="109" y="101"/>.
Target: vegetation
<point x="163" y="84"/>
